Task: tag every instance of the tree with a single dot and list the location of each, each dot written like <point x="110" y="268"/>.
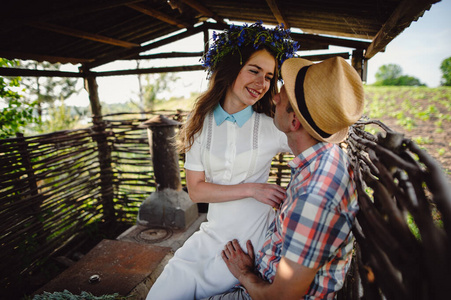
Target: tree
<point x="446" y="70"/>
<point x="60" y="117"/>
<point x="391" y="74"/>
<point x="406" y="80"/>
<point x="47" y="90"/>
<point x="387" y="73"/>
<point x="156" y="85"/>
<point x="16" y="113"/>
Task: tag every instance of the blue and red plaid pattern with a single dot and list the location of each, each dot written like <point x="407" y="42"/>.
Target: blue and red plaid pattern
<point x="313" y="225"/>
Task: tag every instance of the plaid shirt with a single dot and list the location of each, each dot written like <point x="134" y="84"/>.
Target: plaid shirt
<point x="313" y="225"/>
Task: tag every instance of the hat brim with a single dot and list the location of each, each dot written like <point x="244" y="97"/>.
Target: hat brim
<point x="289" y="72"/>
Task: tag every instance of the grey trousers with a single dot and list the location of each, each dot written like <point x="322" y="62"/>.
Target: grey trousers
<point x="235" y="294"/>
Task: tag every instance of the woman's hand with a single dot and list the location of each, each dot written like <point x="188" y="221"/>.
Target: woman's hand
<point x="206" y="192"/>
<point x="271" y="194"/>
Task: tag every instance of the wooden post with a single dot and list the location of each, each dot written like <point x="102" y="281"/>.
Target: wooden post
<point x="357" y="61"/>
<point x="104" y="150"/>
<point x="206" y="41"/>
<point x="35" y="197"/>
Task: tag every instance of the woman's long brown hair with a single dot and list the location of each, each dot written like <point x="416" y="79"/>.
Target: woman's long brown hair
<point x="223" y="78"/>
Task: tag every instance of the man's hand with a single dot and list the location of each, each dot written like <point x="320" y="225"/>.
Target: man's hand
<point x="292" y="280"/>
<point x="238" y="262"/>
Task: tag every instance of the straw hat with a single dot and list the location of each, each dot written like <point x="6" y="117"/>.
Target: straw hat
<point x="327" y="97"/>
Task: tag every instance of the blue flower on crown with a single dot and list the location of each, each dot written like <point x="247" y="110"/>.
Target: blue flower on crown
<point x="277" y="40"/>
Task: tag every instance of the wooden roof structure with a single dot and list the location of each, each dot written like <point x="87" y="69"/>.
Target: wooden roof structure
<point x="91" y="33"/>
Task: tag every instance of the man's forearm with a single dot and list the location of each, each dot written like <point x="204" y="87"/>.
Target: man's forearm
<point x="256" y="286"/>
<point x="292" y="281"/>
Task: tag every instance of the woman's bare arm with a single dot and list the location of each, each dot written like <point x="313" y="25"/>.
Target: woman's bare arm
<point x="201" y="191"/>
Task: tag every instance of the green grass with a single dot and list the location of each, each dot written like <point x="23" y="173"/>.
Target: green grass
<point x="409" y="105"/>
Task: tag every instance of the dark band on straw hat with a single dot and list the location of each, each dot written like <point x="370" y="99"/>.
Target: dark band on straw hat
<point x="300" y="99"/>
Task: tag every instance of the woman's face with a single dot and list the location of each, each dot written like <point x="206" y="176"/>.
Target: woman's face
<point x="252" y="82"/>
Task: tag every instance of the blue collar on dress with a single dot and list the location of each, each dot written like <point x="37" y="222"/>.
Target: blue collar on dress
<point x="240" y="117"/>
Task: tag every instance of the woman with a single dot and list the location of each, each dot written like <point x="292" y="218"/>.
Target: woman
<point x="230" y="140"/>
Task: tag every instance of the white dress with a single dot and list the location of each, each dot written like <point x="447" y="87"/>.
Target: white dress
<point x="228" y="155"/>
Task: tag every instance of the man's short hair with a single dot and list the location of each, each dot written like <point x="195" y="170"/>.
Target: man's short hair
<point x="289" y="108"/>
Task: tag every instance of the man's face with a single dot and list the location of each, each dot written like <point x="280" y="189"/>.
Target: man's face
<point x="282" y="118"/>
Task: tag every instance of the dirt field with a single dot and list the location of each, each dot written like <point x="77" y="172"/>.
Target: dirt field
<point x="421" y="114"/>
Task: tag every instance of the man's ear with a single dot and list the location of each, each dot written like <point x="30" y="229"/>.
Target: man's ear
<point x="295" y="124"/>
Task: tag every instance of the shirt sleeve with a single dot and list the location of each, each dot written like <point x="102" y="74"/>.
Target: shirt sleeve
<point x="193" y="160"/>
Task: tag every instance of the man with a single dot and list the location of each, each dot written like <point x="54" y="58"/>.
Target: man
<point x="308" y="247"/>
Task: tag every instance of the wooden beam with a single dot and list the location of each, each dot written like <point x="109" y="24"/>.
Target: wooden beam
<point x="321" y="57"/>
<point x="14" y="72"/>
<point x="132" y="52"/>
<point x="39" y="57"/>
<point x="57" y="12"/>
<point x="300" y="37"/>
<point x="149" y="70"/>
<point x="313" y="41"/>
<point x="169" y="55"/>
<point x="146" y="9"/>
<point x="82" y="34"/>
<point x="310" y="38"/>
<point x="37" y="73"/>
<point x="203" y="10"/>
<point x="309" y="46"/>
<point x="406" y="12"/>
<point x="277" y="13"/>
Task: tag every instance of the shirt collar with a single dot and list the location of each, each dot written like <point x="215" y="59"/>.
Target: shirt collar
<point x="307" y="155"/>
<point x="240" y="117"/>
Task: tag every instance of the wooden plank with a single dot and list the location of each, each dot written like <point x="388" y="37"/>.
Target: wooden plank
<point x="277" y="13"/>
<point x="406" y="11"/>
<point x="170" y="55"/>
<point x="330" y="40"/>
<point x="150" y="70"/>
<point x="132" y="52"/>
<point x="321" y="57"/>
<point x="203" y="10"/>
<point x="312" y="39"/>
<point x="82" y="34"/>
<point x="146" y="9"/>
<point x="39" y="57"/>
<point x="37" y="73"/>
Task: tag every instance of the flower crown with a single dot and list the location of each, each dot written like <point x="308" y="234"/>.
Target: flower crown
<point x="277" y="40"/>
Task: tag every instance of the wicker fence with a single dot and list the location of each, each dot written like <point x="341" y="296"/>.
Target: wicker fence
<point x="56" y="196"/>
<point x="403" y="228"/>
<point x="62" y="191"/>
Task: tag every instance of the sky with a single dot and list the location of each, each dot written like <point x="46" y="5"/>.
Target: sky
<point x="419" y="50"/>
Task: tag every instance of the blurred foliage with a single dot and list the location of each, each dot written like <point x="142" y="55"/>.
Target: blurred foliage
<point x="445" y="67"/>
<point x="156" y="85"/>
<point x="47" y="90"/>
<point x="391" y="74"/>
<point x="16" y="113"/>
